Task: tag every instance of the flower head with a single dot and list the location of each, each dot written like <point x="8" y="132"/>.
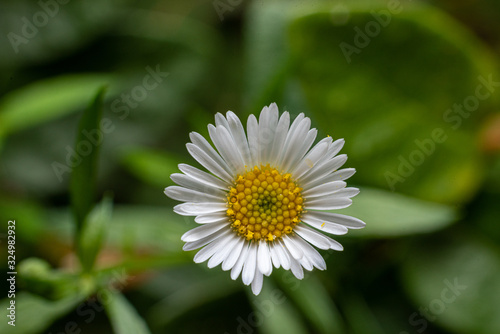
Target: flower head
<point x="262" y="203"/>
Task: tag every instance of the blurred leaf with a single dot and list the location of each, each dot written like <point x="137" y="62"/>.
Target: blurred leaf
<point x="123" y="316"/>
<point x="37" y="276"/>
<point x="47" y="99"/>
<point x="150" y="166"/>
<point x="82" y="188"/>
<point x="454" y="280"/>
<point x="277" y="312"/>
<point x="389" y="113"/>
<point x="135" y="227"/>
<point x="355" y="307"/>
<point x="34" y="314"/>
<point x="93" y="233"/>
<point x="29" y="213"/>
<point x="310" y="296"/>
<point x="389" y="214"/>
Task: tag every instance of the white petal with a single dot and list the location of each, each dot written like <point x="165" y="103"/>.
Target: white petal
<point x="323" y="225"/>
<point x="317" y="238"/>
<point x="268" y="121"/>
<point x="227" y="148"/>
<point x="313" y="237"/>
<point x="253" y="140"/>
<point x="210" y="218"/>
<point x="223" y="252"/>
<point x="205" y="177"/>
<point x="301" y="150"/>
<point x="310" y="160"/>
<point x="203" y="231"/>
<point x="250" y="265"/>
<point x="334" y="203"/>
<point x="238" y="133"/>
<point x="324" y="189"/>
<point x="295" y="251"/>
<point x="279" y="138"/>
<point x="189" y="195"/>
<point x="238" y="266"/>
<point x="296" y="268"/>
<point x="220" y="120"/>
<point x="333" y="149"/>
<point x="202" y="242"/>
<point x="194" y="209"/>
<point x="206" y="252"/>
<point x="231" y="259"/>
<point x="204" y="145"/>
<point x="348" y="221"/>
<point x="341" y="174"/>
<point x="274" y="255"/>
<point x="295" y="141"/>
<point x="257" y="282"/>
<point x="206" y="161"/>
<point x="306" y="263"/>
<point x="321" y="170"/>
<point x="291" y="134"/>
<point x="194" y="184"/>
<point x="264" y="259"/>
<point x="280" y="249"/>
<point x="312" y="254"/>
<point x="347" y="192"/>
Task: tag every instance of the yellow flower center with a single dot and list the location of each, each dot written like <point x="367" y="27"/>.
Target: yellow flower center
<point x="264" y="204"/>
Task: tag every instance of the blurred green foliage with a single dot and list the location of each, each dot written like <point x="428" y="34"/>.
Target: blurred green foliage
<point x="384" y="75"/>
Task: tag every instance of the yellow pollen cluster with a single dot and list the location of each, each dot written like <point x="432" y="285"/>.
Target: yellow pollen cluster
<point x="264" y="204"/>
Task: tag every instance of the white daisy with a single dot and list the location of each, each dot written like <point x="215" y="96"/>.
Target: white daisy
<point x="260" y="205"/>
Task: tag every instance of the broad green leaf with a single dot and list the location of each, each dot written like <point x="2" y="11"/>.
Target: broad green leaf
<point x="275" y="311"/>
<point x="48" y="99"/>
<point x="150" y="166"/>
<point x="124" y="318"/>
<point x="395" y="117"/>
<point x="93" y="233"/>
<point x="388" y="214"/>
<point x="82" y="188"/>
<point x="312" y="299"/>
<point x="454" y="281"/>
<point x="34" y="313"/>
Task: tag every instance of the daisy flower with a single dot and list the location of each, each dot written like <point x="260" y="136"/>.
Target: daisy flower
<point x="263" y="202"/>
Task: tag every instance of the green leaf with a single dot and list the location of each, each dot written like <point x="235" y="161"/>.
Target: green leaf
<point x="34" y="313"/>
<point x="124" y="318"/>
<point x="93" y="233"/>
<point x="455" y="281"/>
<point x="151" y="166"/>
<point x="395" y="117"/>
<point x="313" y="300"/>
<point x="45" y="100"/>
<point x="82" y="187"/>
<point x="389" y="214"/>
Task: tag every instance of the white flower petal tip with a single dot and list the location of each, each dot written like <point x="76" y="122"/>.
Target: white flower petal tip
<point x="261" y="201"/>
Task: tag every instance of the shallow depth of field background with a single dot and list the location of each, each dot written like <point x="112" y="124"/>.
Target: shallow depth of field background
<point x="413" y="87"/>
